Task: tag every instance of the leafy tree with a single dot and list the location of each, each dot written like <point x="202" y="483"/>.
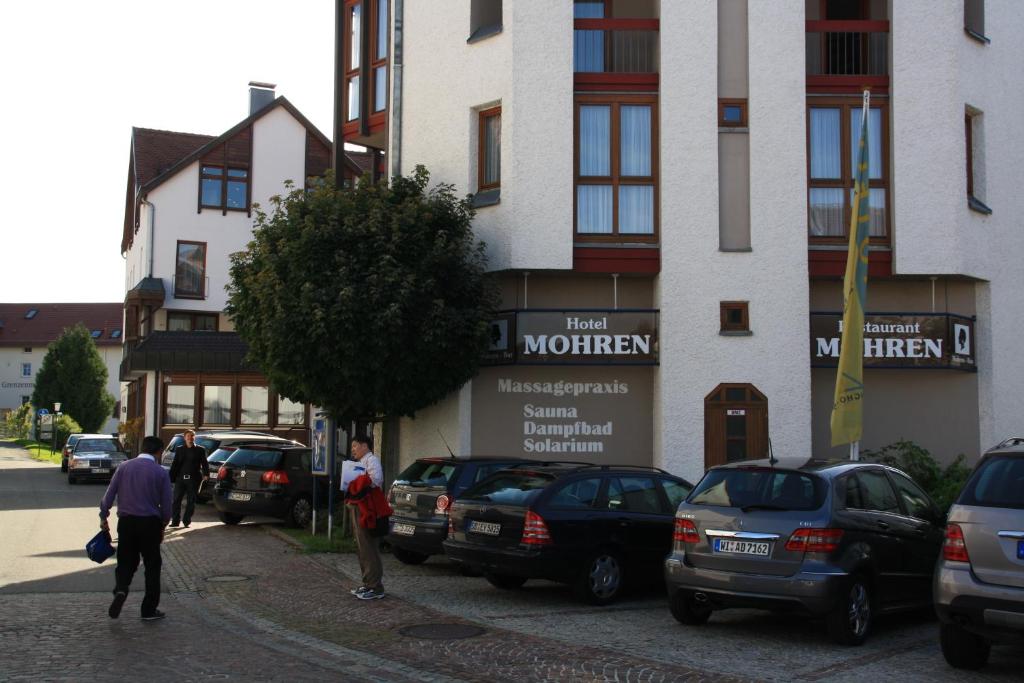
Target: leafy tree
<point x="73" y="373"/>
<point x="367" y="302"/>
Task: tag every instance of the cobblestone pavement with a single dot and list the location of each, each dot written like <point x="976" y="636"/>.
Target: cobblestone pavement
<point x="244" y="603"/>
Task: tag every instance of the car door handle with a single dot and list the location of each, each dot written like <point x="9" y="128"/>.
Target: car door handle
<point x="882" y="525"/>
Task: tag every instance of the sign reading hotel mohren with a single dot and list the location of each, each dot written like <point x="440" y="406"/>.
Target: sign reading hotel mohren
<point x="899" y="340"/>
<point x="582" y="337"/>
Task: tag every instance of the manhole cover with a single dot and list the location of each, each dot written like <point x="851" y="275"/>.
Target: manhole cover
<point x="227" y="578"/>
<point x="442" y="631"/>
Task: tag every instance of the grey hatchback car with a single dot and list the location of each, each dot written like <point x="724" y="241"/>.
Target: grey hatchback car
<point x="979" y="580"/>
<point x="843" y="541"/>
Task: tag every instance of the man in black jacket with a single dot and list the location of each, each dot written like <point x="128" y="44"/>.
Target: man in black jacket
<point x="188" y="470"/>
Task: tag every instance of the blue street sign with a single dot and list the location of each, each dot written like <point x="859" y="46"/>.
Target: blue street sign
<point x="42" y="411"/>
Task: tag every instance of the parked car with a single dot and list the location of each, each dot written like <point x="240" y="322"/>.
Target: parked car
<point x="94" y="457"/>
<point x="422" y="495"/>
<point x="591" y="526"/>
<point x="979" y="580"/>
<point x="268" y="480"/>
<point x="212" y="440"/>
<point x="216" y="459"/>
<point x="69" y="446"/>
<point x="844" y="541"/>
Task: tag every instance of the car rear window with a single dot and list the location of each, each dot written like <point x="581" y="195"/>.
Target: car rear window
<point x="510" y="488"/>
<point x="104" y="445"/>
<point x="209" y="444"/>
<point x="998" y="483"/>
<point x="429" y="472"/>
<point x="763" y="488"/>
<point x="244" y="457"/>
<point x="220" y="455"/>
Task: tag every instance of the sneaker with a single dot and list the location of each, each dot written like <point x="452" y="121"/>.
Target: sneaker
<point x="117" y="604"/>
<point x="370" y="594"/>
<point x="187" y="524"/>
<point x="357" y="591"/>
<point x="174" y="524"/>
<point x="157" y="614"/>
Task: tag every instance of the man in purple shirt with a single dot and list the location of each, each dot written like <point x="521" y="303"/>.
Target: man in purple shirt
<point x="143" y="492"/>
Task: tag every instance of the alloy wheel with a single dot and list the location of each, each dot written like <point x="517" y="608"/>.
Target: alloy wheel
<point x="605" y="576"/>
<point x="859" y="609"/>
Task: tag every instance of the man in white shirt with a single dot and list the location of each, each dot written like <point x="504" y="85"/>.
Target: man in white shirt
<point x="368" y="546"/>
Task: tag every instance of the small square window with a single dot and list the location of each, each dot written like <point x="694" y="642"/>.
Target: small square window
<point x="27" y="349"/>
<point x="732" y="113"/>
<point x="735" y="317"/>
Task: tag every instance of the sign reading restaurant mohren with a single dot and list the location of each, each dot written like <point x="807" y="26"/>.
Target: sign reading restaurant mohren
<point x="899" y="340"/>
<point x="575" y="337"/>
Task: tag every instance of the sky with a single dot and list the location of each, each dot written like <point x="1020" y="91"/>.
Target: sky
<point x="77" y="76"/>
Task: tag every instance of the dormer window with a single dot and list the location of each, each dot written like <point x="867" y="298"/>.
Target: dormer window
<point x="224" y="190"/>
<point x="31" y="313"/>
<point x="96" y="334"/>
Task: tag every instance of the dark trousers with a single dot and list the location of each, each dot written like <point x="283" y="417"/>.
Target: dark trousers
<point x="139" y="537"/>
<point x="187" y="489"/>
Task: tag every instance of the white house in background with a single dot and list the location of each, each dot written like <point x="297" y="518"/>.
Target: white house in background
<point x="690" y="162"/>
<point x="189" y="205"/>
<point x="27" y="330"/>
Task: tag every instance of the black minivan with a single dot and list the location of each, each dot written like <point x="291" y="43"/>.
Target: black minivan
<point x="591" y="526"/>
<point x="422" y="495"/>
<point x="272" y="481"/>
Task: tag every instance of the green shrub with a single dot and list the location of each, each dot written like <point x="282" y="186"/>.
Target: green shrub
<point x="65" y="427"/>
<point x="942" y="484"/>
<point x="19" y="422"/>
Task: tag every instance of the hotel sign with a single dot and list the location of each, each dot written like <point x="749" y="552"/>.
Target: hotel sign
<point x="899" y="340"/>
<point x="580" y="337"/>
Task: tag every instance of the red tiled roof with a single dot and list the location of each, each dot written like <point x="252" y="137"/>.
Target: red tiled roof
<point x="51" y="319"/>
<point x="158" y="150"/>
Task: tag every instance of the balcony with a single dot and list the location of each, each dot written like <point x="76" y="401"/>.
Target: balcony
<point x="846" y="56"/>
<point x="616" y="52"/>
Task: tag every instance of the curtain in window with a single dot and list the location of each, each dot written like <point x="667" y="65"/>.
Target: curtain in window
<point x="353" y="98"/>
<point x="189" y="273"/>
<point x="382" y="29"/>
<point x="595" y="140"/>
<point x="255" y="406"/>
<point x="636" y="209"/>
<point x="826" y="148"/>
<point x="354" y="37"/>
<point x="588" y="9"/>
<point x="216" y="405"/>
<point x="181" y="404"/>
<point x="179" y="323"/>
<point x="826" y="214"/>
<point x="874" y="141"/>
<point x="635" y="140"/>
<point x="876" y="210"/>
<point x="588" y="51"/>
<point x="380" y="88"/>
<point x="594" y="209"/>
<point x="492" y="150"/>
<point x="289" y="412"/>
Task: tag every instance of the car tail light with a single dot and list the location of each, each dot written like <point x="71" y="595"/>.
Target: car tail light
<point x="451" y="527"/>
<point x="274" y="477"/>
<point x="222" y="473"/>
<point x="814" y="540"/>
<point x="535" y="530"/>
<point x="954" y="548"/>
<point x="685" y="531"/>
<point x="443" y="504"/>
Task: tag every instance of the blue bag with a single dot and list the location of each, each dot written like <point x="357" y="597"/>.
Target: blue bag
<point x="99" y="548"/>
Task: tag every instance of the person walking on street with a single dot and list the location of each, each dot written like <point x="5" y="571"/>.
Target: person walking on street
<point x="367" y="546"/>
<point x="143" y="494"/>
<point x="188" y="470"/>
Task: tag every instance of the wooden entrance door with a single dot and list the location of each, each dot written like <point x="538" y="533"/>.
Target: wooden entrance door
<point x="735" y="424"/>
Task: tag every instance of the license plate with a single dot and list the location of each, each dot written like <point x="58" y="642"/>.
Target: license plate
<point x="240" y="496"/>
<point x="488" y="528"/>
<point x="403" y="529"/>
<point x="101" y="470"/>
<point x="727" y="545"/>
<point x="1020" y="550"/>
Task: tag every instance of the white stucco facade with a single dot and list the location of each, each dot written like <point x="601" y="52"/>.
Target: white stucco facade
<point x="936" y="73"/>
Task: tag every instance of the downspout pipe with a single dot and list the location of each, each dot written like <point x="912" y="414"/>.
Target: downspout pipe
<point x="396" y="94"/>
<point x="150" y="237"/>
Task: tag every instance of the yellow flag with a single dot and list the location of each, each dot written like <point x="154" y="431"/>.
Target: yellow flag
<point x="848" y="403"/>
